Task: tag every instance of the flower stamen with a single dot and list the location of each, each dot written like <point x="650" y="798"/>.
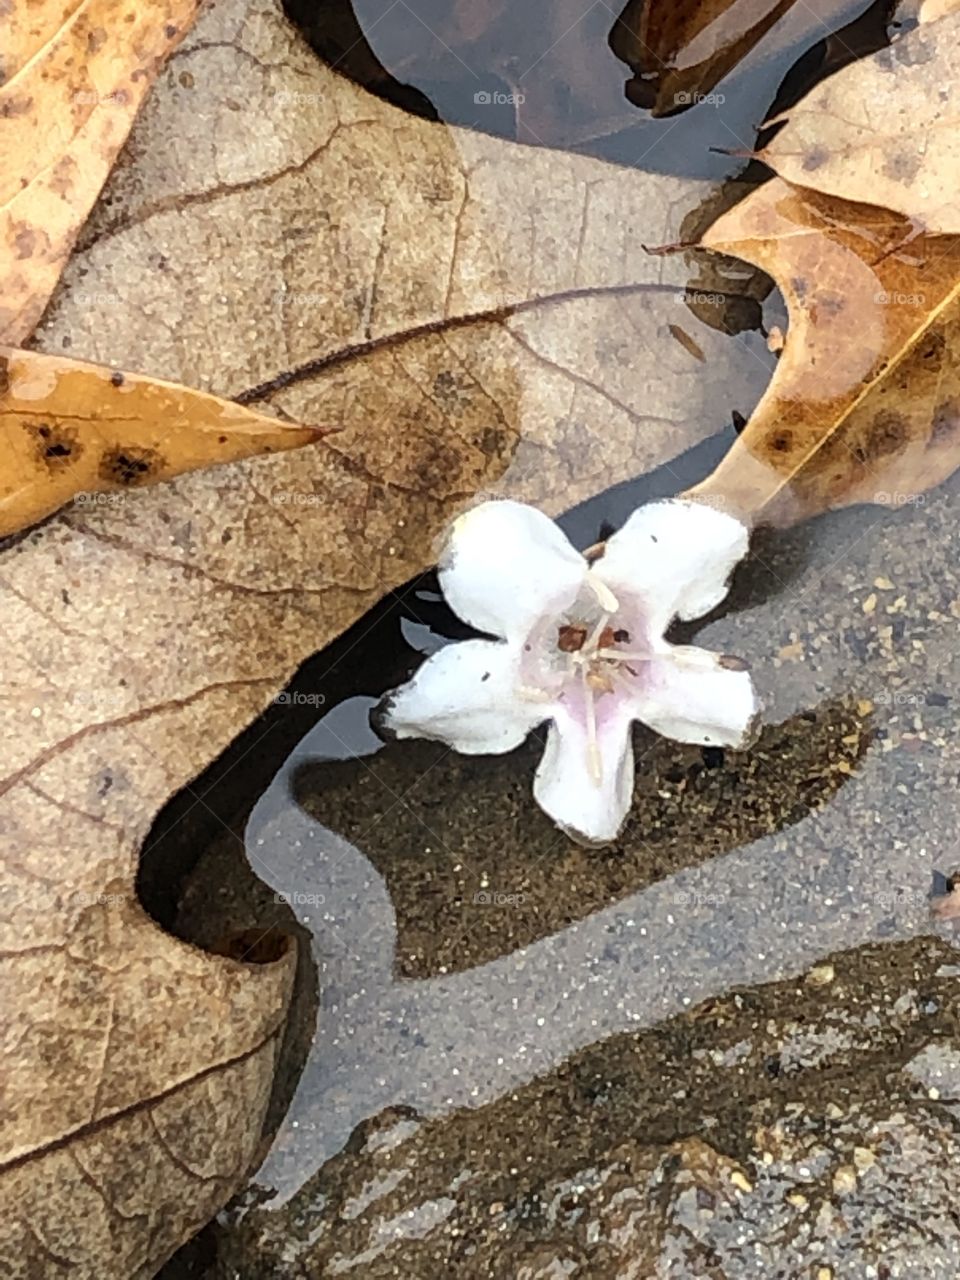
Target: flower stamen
<point x="607" y="600"/>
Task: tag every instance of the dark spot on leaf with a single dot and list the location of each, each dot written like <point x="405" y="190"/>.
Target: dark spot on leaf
<point x="96" y="39"/>
<point x="829" y="305"/>
<point x="902" y="166"/>
<point x="130" y="467"/>
<point x="54" y="446"/>
<point x="915" y="52"/>
<point x="170" y="30"/>
<point x="15" y="106"/>
<point x="222" y="439"/>
<point x="932" y="349"/>
<point x="116" y="378"/>
<point x="24" y="242"/>
<point x="4" y="375"/>
<point x="888" y="433"/>
<point x="816" y="158"/>
<point x="946" y="420"/>
<point x="782" y="441"/>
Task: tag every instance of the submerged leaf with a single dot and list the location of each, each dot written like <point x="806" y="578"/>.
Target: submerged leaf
<point x="72" y="77"/>
<point x="73" y="430"/>
<point x="681" y="49"/>
<point x="865" y="402"/>
<point x="885" y="130"/>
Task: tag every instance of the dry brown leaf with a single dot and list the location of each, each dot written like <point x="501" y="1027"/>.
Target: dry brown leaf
<point x="681" y="49"/>
<point x="885" y="130"/>
<point x="471" y="315"/>
<point x="73" y="430"/>
<point x="73" y="74"/>
<point x="865" y="402"/>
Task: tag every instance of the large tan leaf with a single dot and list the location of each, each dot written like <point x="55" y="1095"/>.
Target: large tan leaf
<point x="471" y="315"/>
<point x="72" y="430"/>
<point x="885" y="130"/>
<point x="865" y="403"/>
<point x="72" y="76"/>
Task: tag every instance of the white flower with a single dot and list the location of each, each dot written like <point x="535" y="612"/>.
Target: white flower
<point x="580" y="645"/>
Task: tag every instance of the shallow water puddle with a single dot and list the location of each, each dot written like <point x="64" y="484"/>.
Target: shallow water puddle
<point x="451" y="845"/>
<point x="466" y="953"/>
<point x="764" y="918"/>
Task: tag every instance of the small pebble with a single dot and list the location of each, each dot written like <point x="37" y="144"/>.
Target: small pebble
<point x="822" y="975"/>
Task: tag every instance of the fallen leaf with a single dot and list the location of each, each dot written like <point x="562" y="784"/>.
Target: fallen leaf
<point x="682" y="49"/>
<point x="72" y="78"/>
<point x="885" y="130"/>
<point x="931" y="10"/>
<point x="73" y="430"/>
<point x="472" y="316"/>
<point x="946" y="906"/>
<point x="865" y="402"/>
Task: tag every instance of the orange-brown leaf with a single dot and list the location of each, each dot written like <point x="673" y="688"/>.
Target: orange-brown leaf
<point x="69" y="429"/>
<point x="865" y="402"/>
<point x="72" y="76"/>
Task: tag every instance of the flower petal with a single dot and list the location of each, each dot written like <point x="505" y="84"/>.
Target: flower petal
<point x="675" y="557"/>
<point x="505" y="564"/>
<point x="692" y="695"/>
<point x="589" y="811"/>
<point x="466" y="696"/>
